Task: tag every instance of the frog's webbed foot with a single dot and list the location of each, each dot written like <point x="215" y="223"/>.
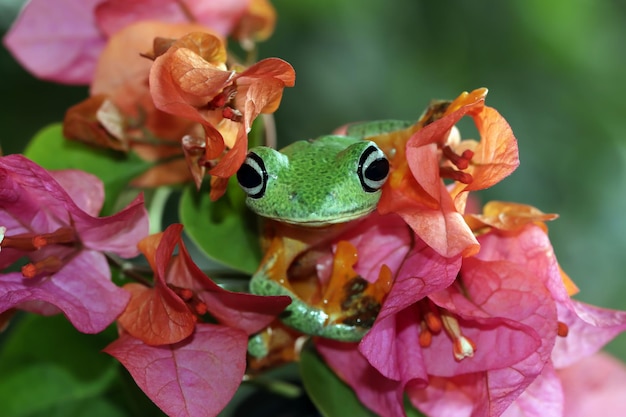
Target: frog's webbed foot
<point x="276" y="345"/>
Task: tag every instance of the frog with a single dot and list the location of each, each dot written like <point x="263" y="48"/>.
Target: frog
<point x="310" y="192"/>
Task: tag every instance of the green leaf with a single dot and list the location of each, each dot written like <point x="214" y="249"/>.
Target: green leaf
<point x="224" y="230"/>
<point x="37" y="339"/>
<point x="89" y="407"/>
<point x="47" y="389"/>
<point x="410" y="410"/>
<point x="50" y="369"/>
<point x="331" y="395"/>
<point x="52" y="151"/>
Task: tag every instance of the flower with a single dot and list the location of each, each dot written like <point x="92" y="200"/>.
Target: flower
<point x="184" y="364"/>
<point x="508" y="319"/>
<point x="388" y="357"/>
<point x="425" y="154"/>
<point x="480" y="341"/>
<point x="182" y="293"/>
<point x="50" y="217"/>
<point x="190" y="80"/>
<point x="196" y="377"/>
<point x="120" y="113"/>
<point x="61" y="41"/>
<point x="257" y="24"/>
<point x="593" y="385"/>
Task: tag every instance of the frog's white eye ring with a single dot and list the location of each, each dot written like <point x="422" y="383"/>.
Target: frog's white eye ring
<point x="252" y="176"/>
<point x="373" y="169"/>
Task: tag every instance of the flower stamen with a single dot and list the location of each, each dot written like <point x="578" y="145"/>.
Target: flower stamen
<point x="61" y="235"/>
<point x="32" y="242"/>
<point x="432" y="318"/>
<point x="49" y="265"/>
<point x="190" y="298"/>
<point x="460" y="161"/>
<point x="463" y="347"/>
<point x="425" y="337"/>
<point x="430" y="322"/>
<point x="223" y="98"/>
<point x="453" y="174"/>
<point x="562" y="330"/>
<point x="232" y="114"/>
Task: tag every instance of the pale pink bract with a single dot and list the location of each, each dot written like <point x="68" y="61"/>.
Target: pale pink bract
<point x="61" y="40"/>
<point x="36" y="202"/>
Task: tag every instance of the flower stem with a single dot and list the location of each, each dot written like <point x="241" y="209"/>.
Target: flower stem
<point x="128" y="269"/>
<point x="276" y="386"/>
<point x="157" y="207"/>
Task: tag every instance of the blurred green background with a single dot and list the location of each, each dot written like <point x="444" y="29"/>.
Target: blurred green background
<point x="555" y="70"/>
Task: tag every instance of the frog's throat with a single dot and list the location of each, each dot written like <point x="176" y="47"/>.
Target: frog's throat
<point x="323" y="222"/>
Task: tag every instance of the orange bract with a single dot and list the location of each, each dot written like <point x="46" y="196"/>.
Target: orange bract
<point x="512" y="218"/>
<point x="156" y="315"/>
<point x="121" y="113"/>
<point x="96" y="121"/>
<point x="257" y="24"/>
<point x="342" y="272"/>
<point x="508" y="217"/>
<point x="190" y="80"/>
<point x="431" y="151"/>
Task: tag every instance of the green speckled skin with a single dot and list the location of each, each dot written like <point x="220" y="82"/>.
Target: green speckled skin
<point x="314" y="182"/>
<point x="367" y="129"/>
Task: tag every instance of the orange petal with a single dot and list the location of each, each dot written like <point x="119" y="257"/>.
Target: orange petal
<point x="230" y="163"/>
<point x="206" y="45"/>
<point x="148" y="246"/>
<point x="381" y="287"/>
<point x="508" y="216"/>
<point x="496" y="155"/>
<point x="270" y="68"/>
<point x="126" y="46"/>
<point x="467" y="99"/>
<point x="96" y="121"/>
<point x="443" y="230"/>
<point x="257" y="24"/>
<point x="194" y="149"/>
<point x="157" y="316"/>
<point x="343" y="262"/>
<point x="200" y="79"/>
<point x="218" y="187"/>
<point x="160" y="45"/>
<point x="570" y="286"/>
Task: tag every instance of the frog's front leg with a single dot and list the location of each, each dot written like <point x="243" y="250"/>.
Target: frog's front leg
<point x="271" y="279"/>
<point x="349" y="303"/>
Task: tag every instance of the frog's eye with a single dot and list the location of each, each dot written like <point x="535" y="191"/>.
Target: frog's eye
<point x="373" y="169"/>
<point x="252" y="176"/>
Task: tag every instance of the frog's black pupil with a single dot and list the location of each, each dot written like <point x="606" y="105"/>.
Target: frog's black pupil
<point x="373" y="169"/>
<point x="377" y="170"/>
<point x="252" y="176"/>
<point x="248" y="177"/>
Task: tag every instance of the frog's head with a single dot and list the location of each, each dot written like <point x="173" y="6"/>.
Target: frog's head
<point x="332" y="179"/>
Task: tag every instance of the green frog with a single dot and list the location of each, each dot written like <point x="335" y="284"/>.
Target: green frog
<point x="310" y="192"/>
